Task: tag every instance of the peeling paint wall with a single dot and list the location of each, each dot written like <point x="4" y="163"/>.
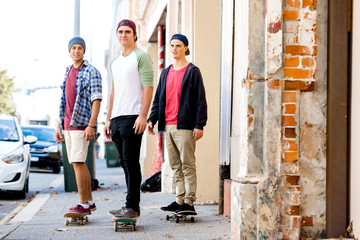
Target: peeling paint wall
<point x="313" y="130"/>
<point x="278" y="154"/>
<point x="256" y="129"/>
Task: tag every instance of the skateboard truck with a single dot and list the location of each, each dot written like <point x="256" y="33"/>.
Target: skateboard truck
<point x="75" y="218"/>
<point x="125" y="223"/>
<point x="179" y="216"/>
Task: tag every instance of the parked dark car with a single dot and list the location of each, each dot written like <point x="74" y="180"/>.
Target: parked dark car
<point x="46" y="152"/>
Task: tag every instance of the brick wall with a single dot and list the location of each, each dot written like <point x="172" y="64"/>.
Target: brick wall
<point x="299" y="64"/>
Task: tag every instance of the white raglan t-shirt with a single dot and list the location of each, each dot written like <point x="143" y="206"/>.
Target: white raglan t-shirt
<point x="130" y="74"/>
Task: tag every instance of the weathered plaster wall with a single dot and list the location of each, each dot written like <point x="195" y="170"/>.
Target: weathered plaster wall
<point x="304" y="118"/>
<point x="279" y="119"/>
<point x="313" y="127"/>
<point x="256" y="121"/>
<point x="239" y="131"/>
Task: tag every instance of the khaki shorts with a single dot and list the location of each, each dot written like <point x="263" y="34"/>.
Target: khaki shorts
<point x="76" y="145"/>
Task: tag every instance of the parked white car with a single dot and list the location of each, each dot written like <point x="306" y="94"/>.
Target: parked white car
<point x="14" y="156"/>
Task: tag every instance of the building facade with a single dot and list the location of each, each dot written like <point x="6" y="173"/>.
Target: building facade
<point x="278" y="134"/>
<point x="281" y="83"/>
<point x="190" y="18"/>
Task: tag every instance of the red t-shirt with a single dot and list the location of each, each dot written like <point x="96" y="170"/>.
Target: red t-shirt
<point x="70" y="93"/>
<point x="173" y="91"/>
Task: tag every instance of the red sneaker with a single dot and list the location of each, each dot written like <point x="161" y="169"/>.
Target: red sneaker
<point x="80" y="209"/>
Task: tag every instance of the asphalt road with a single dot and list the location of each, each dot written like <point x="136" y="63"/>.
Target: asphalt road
<point x="39" y="181"/>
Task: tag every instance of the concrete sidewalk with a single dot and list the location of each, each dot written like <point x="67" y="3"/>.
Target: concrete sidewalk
<point x="48" y="221"/>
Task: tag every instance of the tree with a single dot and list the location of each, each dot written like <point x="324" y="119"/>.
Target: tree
<point x="7" y="104"/>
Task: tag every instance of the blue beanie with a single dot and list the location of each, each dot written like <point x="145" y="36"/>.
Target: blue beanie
<point x="180" y="37"/>
<point x="77" y="40"/>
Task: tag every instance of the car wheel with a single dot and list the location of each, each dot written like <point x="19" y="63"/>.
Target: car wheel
<point x="56" y="169"/>
<point x="22" y="194"/>
<point x="27" y="185"/>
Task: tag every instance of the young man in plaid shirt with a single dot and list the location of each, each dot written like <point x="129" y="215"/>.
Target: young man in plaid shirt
<point x="79" y="109"/>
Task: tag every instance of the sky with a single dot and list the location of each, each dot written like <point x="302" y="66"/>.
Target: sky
<point x="34" y="36"/>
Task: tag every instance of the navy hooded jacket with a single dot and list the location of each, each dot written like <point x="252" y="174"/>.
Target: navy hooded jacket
<point x="192" y="108"/>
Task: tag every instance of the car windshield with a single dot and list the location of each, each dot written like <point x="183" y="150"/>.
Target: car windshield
<point x="8" y="131"/>
<point x="43" y="134"/>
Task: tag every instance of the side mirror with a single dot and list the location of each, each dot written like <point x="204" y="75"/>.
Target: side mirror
<point x="30" y="140"/>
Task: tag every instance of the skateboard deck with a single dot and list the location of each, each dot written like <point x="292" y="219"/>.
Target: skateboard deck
<point x="180" y="216"/>
<point x="75" y="218"/>
<point x="124" y="223"/>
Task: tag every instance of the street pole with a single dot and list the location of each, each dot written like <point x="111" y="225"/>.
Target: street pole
<point x="77" y="18"/>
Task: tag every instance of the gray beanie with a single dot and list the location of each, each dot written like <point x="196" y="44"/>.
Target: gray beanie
<point x="77" y="40"/>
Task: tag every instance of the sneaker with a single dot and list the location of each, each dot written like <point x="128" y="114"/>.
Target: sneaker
<point x="172" y="207"/>
<point x="92" y="207"/>
<point x="186" y="208"/>
<point x="114" y="212"/>
<point x="128" y="213"/>
<point x="80" y="209"/>
<point x="72" y="208"/>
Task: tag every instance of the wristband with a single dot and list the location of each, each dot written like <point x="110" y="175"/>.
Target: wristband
<point x="91" y="126"/>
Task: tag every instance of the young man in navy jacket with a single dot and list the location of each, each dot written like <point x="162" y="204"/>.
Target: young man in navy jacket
<point x="181" y="110"/>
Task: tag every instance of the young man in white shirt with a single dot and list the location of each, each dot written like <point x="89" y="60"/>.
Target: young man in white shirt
<point x="130" y="99"/>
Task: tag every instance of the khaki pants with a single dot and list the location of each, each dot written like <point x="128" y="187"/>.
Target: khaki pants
<point x="181" y="149"/>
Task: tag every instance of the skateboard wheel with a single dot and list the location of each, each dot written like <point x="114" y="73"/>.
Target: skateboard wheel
<point x="192" y="219"/>
<point x="66" y="222"/>
<point x="116" y="226"/>
<point x="167" y="217"/>
<point x="177" y="220"/>
<point x="86" y="219"/>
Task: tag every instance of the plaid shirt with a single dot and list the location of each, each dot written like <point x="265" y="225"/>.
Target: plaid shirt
<point x="88" y="89"/>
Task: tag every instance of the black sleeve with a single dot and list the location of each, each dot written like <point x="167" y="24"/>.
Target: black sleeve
<point x="154" y="115"/>
<point x="201" y="106"/>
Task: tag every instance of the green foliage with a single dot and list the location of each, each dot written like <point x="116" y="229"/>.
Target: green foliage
<point x="7" y="105"/>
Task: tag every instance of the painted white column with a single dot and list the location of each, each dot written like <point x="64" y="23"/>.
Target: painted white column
<point x="171" y="27"/>
<point x="355" y="126"/>
<point x="227" y="19"/>
<point x="187" y="25"/>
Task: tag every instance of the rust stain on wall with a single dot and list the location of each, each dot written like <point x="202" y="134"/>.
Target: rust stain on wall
<point x="274" y="27"/>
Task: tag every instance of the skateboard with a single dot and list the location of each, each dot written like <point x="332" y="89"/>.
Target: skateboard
<point x="75" y="218"/>
<point x="180" y="216"/>
<point x="124" y="223"/>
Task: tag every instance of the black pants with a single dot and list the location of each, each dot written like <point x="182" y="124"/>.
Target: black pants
<point x="128" y="145"/>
